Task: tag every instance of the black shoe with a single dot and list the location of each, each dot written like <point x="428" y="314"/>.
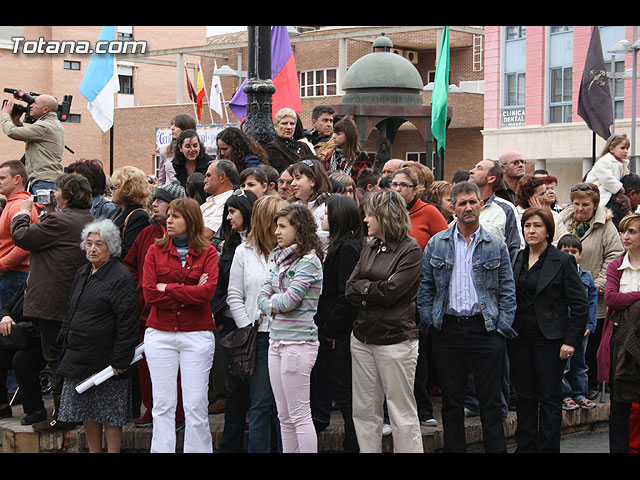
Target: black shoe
<point x="33" y="417"/>
<point x="6" y="412"/>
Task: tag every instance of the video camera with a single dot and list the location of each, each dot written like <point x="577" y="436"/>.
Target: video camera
<point x="63" y="109"/>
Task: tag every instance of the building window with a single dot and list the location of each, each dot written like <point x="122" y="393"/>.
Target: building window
<point x="420" y="157"/>
<point x="560" y="74"/>
<point x="71" y="65"/>
<point x="514" y="79"/>
<point x="515" y="32"/>
<point x="73" y="118"/>
<point x="616" y="87"/>
<point x="126" y="84"/>
<point x="560" y="95"/>
<point x="318" y="83"/>
<point x="514" y="89"/>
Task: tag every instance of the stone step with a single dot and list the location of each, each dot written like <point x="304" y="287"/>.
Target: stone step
<point x="17" y="438"/>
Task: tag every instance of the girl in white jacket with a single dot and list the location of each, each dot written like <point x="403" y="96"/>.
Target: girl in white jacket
<point x="610" y="168"/>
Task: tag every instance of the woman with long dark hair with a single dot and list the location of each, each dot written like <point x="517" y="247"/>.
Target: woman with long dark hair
<point x="179" y="280"/>
<point x="179" y="124"/>
<point x="335" y="315"/>
<point x="241" y="148"/>
<point x="347" y="154"/>
<point x="190" y="156"/>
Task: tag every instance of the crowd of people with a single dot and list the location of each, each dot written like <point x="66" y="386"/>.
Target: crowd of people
<point x="272" y="284"/>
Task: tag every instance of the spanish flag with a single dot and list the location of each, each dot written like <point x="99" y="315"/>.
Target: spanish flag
<point x="200" y="92"/>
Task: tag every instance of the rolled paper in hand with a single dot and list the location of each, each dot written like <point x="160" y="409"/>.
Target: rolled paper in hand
<point x="107" y="373"/>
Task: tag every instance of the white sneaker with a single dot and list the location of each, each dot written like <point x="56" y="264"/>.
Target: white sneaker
<point x="430" y="422"/>
<point x="386" y="429"/>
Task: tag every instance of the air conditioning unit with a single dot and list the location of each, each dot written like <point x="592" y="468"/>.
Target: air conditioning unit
<point x="411" y="55"/>
<point x="397" y="52"/>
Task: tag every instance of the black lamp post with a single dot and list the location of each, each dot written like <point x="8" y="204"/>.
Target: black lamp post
<point x="259" y="87"/>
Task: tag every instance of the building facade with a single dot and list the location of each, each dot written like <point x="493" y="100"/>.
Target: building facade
<point x="532" y="84"/>
<point x="153" y="84"/>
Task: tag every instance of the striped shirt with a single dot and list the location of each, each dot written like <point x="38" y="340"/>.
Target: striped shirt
<point x="294" y="292"/>
<point x="463" y="298"/>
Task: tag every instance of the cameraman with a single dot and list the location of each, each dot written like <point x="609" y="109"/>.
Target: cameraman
<point x="44" y="140"/>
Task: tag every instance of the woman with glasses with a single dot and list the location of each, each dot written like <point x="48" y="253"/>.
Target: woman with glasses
<point x="179" y="280"/>
<point x="426" y="220"/>
<point x="601" y="244"/>
<point x="285" y="150"/>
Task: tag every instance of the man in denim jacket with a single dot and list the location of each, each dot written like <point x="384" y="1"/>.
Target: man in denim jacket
<point x="467" y="294"/>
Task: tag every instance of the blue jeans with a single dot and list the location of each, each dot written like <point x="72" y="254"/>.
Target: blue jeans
<point x="575" y="383"/>
<point x="253" y="396"/>
<point x="10" y="282"/>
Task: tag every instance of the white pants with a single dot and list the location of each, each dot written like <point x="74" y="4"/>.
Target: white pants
<point x="192" y="354"/>
<point x="378" y="371"/>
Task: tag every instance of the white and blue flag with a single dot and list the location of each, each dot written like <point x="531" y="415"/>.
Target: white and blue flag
<point x="100" y="82"/>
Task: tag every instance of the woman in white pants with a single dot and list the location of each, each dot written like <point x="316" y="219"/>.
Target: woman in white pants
<point x="179" y="280"/>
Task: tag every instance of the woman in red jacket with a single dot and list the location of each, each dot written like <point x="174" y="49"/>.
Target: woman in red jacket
<point x="179" y="280"/>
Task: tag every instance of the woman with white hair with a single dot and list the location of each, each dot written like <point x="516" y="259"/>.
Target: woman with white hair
<point x="100" y="330"/>
<point x="285" y="150"/>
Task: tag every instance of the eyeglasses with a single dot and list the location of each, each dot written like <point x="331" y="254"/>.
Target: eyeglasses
<point x="99" y="245"/>
<point x="401" y="184"/>
<point x="517" y="162"/>
<point x="583" y="188"/>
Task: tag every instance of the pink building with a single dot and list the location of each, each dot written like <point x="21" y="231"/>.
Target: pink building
<point x="532" y="83"/>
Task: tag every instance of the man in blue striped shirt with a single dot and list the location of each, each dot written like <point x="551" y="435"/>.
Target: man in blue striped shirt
<point x="467" y="294"/>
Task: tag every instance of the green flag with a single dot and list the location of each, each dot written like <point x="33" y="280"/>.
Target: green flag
<point x="440" y="95"/>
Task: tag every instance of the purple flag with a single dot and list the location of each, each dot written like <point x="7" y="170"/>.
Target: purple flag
<point x="284" y="76"/>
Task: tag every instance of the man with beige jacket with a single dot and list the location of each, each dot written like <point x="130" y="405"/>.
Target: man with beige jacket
<point x="44" y="141"/>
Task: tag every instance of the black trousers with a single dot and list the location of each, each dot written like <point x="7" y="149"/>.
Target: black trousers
<point x="536" y="372"/>
<point x="27" y="364"/>
<point x="458" y="346"/>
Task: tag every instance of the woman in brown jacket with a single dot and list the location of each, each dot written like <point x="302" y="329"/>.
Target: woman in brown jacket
<point x="384" y="342"/>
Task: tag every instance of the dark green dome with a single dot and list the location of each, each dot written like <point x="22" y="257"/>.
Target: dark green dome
<point x="382" y="70"/>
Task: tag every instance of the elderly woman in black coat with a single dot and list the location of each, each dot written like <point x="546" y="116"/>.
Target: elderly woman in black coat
<point x="100" y="330"/>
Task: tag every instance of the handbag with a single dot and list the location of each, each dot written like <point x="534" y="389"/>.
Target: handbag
<point x="243" y="346"/>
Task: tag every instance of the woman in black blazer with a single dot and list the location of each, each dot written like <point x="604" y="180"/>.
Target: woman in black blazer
<point x="550" y="319"/>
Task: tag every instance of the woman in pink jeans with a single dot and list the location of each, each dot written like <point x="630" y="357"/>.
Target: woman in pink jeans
<point x="290" y="294"/>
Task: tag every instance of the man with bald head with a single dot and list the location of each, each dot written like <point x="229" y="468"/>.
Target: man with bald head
<point x="391" y="166"/>
<point x="513" y="169"/>
<point x="44" y="141"/>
